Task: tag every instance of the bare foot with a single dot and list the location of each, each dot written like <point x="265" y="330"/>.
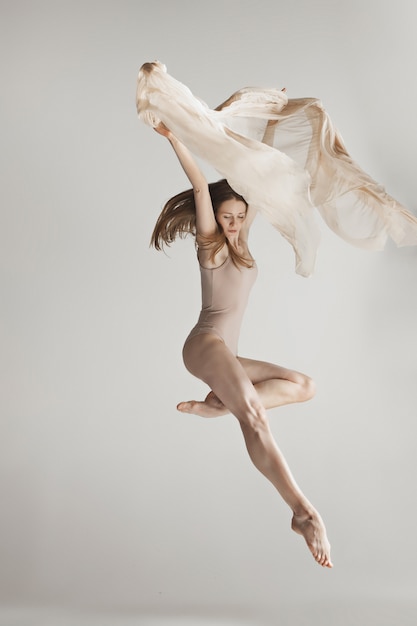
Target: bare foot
<point x="311" y="527"/>
<point x="211" y="407"/>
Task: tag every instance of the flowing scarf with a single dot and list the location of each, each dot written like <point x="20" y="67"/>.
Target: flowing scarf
<point x="286" y="159"/>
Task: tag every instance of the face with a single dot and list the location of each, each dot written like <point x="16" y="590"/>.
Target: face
<point x="230" y="216"/>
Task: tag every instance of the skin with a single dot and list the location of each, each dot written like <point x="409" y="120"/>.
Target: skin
<point x="246" y="388"/>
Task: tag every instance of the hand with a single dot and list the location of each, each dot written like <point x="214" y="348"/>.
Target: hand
<point x="163" y="130"/>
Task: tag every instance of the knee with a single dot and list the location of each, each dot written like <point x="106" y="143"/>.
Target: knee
<point x="252" y="417"/>
<point x="307" y="388"/>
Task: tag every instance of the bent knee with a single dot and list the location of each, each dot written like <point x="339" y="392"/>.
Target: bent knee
<point x="308" y="388"/>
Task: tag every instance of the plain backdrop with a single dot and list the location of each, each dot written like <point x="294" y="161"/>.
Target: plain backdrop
<point x="113" y="504"/>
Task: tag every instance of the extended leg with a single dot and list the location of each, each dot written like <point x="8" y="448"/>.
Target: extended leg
<point x="208" y="358"/>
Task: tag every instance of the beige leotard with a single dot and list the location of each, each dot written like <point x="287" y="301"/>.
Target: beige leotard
<point x="225" y="292"/>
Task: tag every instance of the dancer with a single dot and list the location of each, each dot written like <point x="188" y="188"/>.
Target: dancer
<point x="285" y="159"/>
<point x="220" y="220"/>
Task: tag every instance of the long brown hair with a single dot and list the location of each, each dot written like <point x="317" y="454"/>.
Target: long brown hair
<point x="177" y="219"/>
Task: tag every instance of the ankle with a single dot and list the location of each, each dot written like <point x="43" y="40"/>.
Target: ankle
<point x="303" y="509"/>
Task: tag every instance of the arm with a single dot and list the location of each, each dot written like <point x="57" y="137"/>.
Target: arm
<point x="206" y="223"/>
<point x="250" y="216"/>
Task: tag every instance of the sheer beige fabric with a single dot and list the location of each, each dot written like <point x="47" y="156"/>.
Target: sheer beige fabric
<point x="285" y="158"/>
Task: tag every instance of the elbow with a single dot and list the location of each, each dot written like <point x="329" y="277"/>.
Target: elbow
<point x="200" y="186"/>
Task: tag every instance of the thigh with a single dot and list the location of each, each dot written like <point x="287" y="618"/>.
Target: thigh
<point x="208" y="358"/>
<point x="259" y="371"/>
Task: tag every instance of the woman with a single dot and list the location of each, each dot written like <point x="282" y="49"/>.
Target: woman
<point x="220" y="220"/>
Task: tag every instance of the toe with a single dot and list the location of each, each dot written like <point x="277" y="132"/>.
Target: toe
<point x="184" y="407"/>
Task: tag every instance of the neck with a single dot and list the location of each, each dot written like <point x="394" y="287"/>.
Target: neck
<point x="234" y="242"/>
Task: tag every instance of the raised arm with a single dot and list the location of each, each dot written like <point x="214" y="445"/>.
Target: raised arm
<point x="250" y="216"/>
<point x="206" y="224"/>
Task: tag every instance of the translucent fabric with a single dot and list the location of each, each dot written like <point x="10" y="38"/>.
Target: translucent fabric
<point x="285" y="158"/>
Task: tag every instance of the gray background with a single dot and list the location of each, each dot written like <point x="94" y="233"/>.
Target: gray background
<point x="113" y="503"/>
